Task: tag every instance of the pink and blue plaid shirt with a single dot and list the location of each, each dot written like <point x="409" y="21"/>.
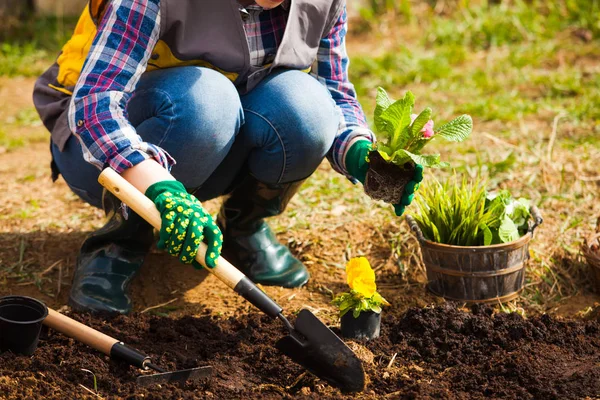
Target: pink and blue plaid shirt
<point x="119" y="54"/>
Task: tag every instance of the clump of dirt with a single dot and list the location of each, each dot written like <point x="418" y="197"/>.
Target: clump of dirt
<point x="437" y="352"/>
<point x="386" y="181"/>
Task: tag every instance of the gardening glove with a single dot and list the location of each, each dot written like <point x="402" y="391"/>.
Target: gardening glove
<point x="357" y="164"/>
<point x="184" y="224"/>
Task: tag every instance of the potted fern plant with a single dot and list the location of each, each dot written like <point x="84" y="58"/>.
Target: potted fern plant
<point x="402" y="136"/>
<point x="474" y="243"/>
<point x="360" y="308"/>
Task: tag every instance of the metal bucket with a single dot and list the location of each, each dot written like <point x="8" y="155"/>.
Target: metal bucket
<point x="476" y="274"/>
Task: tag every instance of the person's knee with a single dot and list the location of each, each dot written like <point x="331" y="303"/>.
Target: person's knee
<point x="186" y="104"/>
<point x="212" y="108"/>
<point x="309" y="112"/>
<point x="314" y="116"/>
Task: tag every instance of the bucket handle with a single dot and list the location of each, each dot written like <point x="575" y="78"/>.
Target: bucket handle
<point x="415" y="228"/>
<point x="537" y="219"/>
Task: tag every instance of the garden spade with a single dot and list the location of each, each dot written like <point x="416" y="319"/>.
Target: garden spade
<point x="309" y="343"/>
<point x="118" y="350"/>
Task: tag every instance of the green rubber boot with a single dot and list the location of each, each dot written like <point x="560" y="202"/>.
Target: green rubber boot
<point x="248" y="242"/>
<point x="108" y="260"/>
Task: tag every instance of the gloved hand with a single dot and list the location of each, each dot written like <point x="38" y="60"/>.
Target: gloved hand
<point x="357" y="166"/>
<point x="185" y="224"/>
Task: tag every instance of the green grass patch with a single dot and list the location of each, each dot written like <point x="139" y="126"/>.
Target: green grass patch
<point x="483" y="24"/>
<point x="21" y="129"/>
<point x="11" y="139"/>
<point x="498" y="62"/>
<point x="30" y="47"/>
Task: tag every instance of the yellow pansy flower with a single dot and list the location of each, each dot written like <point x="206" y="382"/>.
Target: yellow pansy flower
<point x="361" y="277"/>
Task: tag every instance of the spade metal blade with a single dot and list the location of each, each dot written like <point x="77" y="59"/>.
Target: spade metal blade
<point x="175" y="376"/>
<point x="324" y="354"/>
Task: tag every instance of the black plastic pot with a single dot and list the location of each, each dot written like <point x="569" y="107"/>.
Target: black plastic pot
<point x="21" y="320"/>
<point x="366" y="326"/>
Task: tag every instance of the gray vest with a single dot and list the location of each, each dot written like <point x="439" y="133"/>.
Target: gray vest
<point x="202" y="37"/>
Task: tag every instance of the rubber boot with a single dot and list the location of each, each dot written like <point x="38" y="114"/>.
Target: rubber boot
<point x="109" y="259"/>
<point x="248" y="242"/>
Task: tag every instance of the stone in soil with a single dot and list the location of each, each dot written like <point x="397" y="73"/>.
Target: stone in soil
<point x="386" y="181"/>
<point x="441" y="352"/>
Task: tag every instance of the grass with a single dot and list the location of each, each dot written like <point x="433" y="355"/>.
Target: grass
<point x="28" y="48"/>
<point x="527" y="71"/>
<point x="21" y="129"/>
<point x="476" y="52"/>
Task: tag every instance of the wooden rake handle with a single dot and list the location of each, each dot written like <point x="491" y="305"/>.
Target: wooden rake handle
<point x="226" y="272"/>
<point x="80" y="332"/>
<point x="95" y="339"/>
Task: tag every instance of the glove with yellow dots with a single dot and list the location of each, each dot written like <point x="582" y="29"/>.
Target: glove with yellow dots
<point x="185" y="224"/>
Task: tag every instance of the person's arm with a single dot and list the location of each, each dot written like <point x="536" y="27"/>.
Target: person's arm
<point x="119" y="54"/>
<point x="354" y="139"/>
<point x="331" y="69"/>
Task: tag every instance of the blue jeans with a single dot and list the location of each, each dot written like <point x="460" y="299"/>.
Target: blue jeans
<point x="279" y="132"/>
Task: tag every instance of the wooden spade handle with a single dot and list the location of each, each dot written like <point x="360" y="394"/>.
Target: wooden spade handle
<point x="226" y="272"/>
<point x="146" y="209"/>
<point x="78" y="331"/>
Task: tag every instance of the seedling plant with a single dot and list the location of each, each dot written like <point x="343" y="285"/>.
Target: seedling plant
<point x="403" y="135"/>
<point x="464" y="213"/>
<point x="363" y="295"/>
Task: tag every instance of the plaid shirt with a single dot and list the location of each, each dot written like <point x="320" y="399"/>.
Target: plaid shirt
<point x="119" y="54"/>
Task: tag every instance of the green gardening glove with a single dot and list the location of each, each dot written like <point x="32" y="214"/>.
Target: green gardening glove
<point x="357" y="164"/>
<point x="184" y="224"/>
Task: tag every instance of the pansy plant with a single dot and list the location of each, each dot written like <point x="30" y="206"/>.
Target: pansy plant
<point x="363" y="294"/>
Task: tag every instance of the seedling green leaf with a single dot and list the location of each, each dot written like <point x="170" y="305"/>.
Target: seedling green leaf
<point x="456" y="130"/>
<point x="403" y="156"/>
<point x="487" y="234"/>
<point x="401" y="141"/>
<point x="508" y="231"/>
<point x="383" y="102"/>
<point x="397" y="120"/>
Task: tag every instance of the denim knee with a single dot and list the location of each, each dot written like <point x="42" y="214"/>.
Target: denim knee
<point x="302" y="119"/>
<point x="193" y="113"/>
<point x="212" y="111"/>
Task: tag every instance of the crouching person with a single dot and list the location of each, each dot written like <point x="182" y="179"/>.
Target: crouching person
<point x="190" y="100"/>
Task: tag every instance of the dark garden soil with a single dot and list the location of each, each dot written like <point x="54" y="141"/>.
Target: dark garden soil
<point x="386" y="181"/>
<point x="436" y="352"/>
